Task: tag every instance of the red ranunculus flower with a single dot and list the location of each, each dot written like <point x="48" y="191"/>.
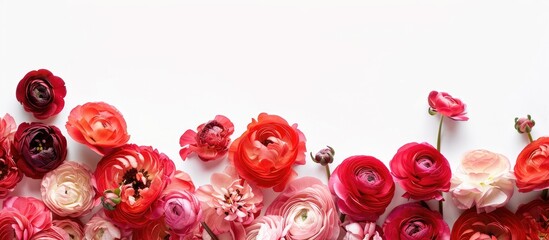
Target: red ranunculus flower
<point x="447" y="105"/>
<point x="98" y="125"/>
<point x="532" y="166"/>
<point x="211" y="140"/>
<point x="141" y="173"/>
<point x="9" y="173"/>
<point x="534" y="217"/>
<point x="498" y="224"/>
<point x="267" y="151"/>
<point x="41" y="148"/>
<point x="363" y="187"/>
<point x="413" y="221"/>
<point x="422" y="171"/>
<point x="41" y="93"/>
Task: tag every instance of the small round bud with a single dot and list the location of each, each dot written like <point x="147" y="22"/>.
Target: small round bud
<point x="110" y="199"/>
<point x="325" y="156"/>
<point x="524" y="125"/>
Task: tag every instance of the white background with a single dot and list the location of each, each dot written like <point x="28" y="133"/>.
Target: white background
<point x="354" y="75"/>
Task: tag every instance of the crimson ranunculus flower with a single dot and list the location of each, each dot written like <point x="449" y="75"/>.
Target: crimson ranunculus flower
<point x="98" y="125"/>
<point x="267" y="151"/>
<point x="413" y="221"/>
<point x="534" y="217"/>
<point x="422" y="171"/>
<point x="41" y="93"/>
<point x="9" y="173"/>
<point x="210" y="141"/>
<point x="498" y="224"/>
<point x="41" y="148"/>
<point x="532" y="166"/>
<point x="363" y="187"/>
<point x="447" y="105"/>
<point x="141" y="173"/>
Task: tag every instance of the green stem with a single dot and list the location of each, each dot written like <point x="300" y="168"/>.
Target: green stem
<point x="439" y="131"/>
<point x="544" y="194"/>
<point x="530" y="137"/>
<point x="328" y="171"/>
<point x="212" y="235"/>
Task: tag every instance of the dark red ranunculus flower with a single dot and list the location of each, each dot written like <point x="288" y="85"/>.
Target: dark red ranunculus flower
<point x="41" y="93"/>
<point x="498" y="224"/>
<point x="534" y="217"/>
<point x="422" y="171"/>
<point x="41" y="148"/>
<point x="413" y="221"/>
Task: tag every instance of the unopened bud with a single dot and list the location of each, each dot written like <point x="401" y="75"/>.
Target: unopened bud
<point x="524" y="125"/>
<point x="325" y="156"/>
<point x="110" y="199"/>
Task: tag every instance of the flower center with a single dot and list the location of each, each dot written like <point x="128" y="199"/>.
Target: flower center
<point x="212" y="133"/>
<point x="415" y="227"/>
<point x="424" y="162"/>
<point x="40" y="92"/>
<point x="41" y="143"/>
<point x="137" y="179"/>
<point x="3" y="169"/>
<point x="368" y="176"/>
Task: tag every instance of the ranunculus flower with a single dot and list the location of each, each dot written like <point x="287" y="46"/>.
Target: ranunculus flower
<point x="308" y="210"/>
<point x="13" y="225"/>
<point x="210" y="141"/>
<point x="413" y="221"/>
<point x="98" y="125"/>
<point x="267" y="151"/>
<point x="499" y="224"/>
<point x="99" y="228"/>
<point x="270" y="227"/>
<point x="362" y="231"/>
<point x="69" y="190"/>
<point x="141" y="173"/>
<point x="484" y="180"/>
<point x="31" y="216"/>
<point x="154" y="230"/>
<point x="52" y="233"/>
<point x="41" y="147"/>
<point x="74" y="229"/>
<point x="9" y="172"/>
<point x="534" y="217"/>
<point x="235" y="232"/>
<point x="532" y="166"/>
<point x="41" y="93"/>
<point x="229" y="199"/>
<point x="363" y="187"/>
<point x="422" y="171"/>
<point x="447" y="105"/>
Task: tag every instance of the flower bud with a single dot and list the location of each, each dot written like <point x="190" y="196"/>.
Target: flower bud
<point x="524" y="125"/>
<point x="110" y="199"/>
<point x="325" y="156"/>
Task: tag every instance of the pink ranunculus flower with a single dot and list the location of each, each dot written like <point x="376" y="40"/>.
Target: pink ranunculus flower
<point x="10" y="174"/>
<point x="7" y="128"/>
<point x="235" y="232"/>
<point x="362" y="231"/>
<point x="52" y="233"/>
<point x="484" y="180"/>
<point x="308" y="210"/>
<point x="229" y="199"/>
<point x="73" y="228"/>
<point x="31" y="215"/>
<point x="99" y="228"/>
<point x="447" y="105"/>
<point x="210" y="141"/>
<point x="270" y="227"/>
<point x="415" y="222"/>
<point x="181" y="209"/>
<point x="69" y="190"/>
<point x="13" y="225"/>
<point x="363" y="187"/>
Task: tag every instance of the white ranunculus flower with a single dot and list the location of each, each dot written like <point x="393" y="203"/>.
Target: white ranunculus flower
<point x="69" y="190"/>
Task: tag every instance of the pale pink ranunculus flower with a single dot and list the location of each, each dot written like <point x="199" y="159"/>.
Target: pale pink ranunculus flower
<point x="101" y="228"/>
<point x="69" y="190"/>
<point x="74" y="229"/>
<point x="229" y="199"/>
<point x="308" y="210"/>
<point x="361" y="231"/>
<point x="31" y="214"/>
<point x="270" y="227"/>
<point x="235" y="232"/>
<point x="483" y="179"/>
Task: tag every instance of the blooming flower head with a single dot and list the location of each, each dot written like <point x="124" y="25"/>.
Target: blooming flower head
<point x="100" y="228"/>
<point x="10" y="174"/>
<point x="73" y="228"/>
<point x="141" y="173"/>
<point x="308" y="210"/>
<point x="422" y="171"/>
<point x="499" y="224"/>
<point x="229" y="199"/>
<point x="29" y="216"/>
<point x="98" y="125"/>
<point x="484" y="180"/>
<point x="267" y="151"/>
<point x="446" y="105"/>
<point x="69" y="190"/>
<point x="363" y="187"/>
<point x="270" y="227"/>
<point x="414" y="221"/>
<point x="532" y="166"/>
<point x="534" y="217"/>
<point x="41" y="93"/>
<point x="42" y="148"/>
<point x="210" y="141"/>
<point x="362" y="231"/>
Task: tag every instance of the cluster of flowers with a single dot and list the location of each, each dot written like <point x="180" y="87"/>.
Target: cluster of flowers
<point x="143" y="196"/>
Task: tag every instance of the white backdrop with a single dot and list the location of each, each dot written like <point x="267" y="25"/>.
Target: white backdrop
<point x="354" y="75"/>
